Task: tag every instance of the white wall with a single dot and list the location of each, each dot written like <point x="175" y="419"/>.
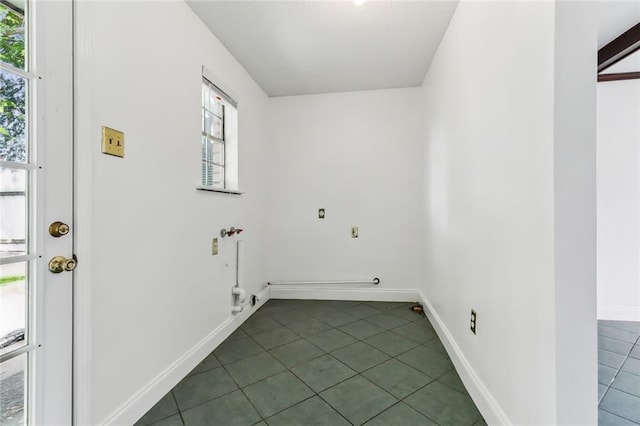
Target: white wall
<point x="154" y="288"/>
<point x="574" y="199"/>
<point x="355" y="155"/>
<point x="489" y="200"/>
<point x="475" y="147"/>
<point x="618" y="186"/>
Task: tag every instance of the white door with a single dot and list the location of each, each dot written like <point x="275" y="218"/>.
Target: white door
<point x="36" y="190"/>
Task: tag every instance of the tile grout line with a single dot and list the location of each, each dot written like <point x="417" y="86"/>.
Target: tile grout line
<point x="323" y="353"/>
<point x="332" y="407"/>
<point x="223" y="366"/>
<point x="319" y="356"/>
<point x="617" y="327"/>
<point x="342" y="331"/>
<point x="291" y="406"/>
<point x="398" y="400"/>
<point x="608" y="386"/>
<point x="288" y="369"/>
<point x="618" y="371"/>
<point x="359" y="340"/>
<point x="312" y="396"/>
<point x="243" y="393"/>
<point x="615" y="338"/>
<point x="177" y="406"/>
<point x="618" y="415"/>
<point x="357" y="373"/>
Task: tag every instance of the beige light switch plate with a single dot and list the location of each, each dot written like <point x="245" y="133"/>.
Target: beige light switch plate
<point x="112" y="141"/>
<point x="214" y="246"/>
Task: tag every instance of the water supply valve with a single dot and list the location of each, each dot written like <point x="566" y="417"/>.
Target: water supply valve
<point x="230" y="232"/>
<point x="240" y="292"/>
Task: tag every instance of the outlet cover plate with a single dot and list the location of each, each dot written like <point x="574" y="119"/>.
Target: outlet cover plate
<point x="354" y="232"/>
<point x="474" y="317"/>
<point x="214" y="246"/>
<point x="112" y="142"/>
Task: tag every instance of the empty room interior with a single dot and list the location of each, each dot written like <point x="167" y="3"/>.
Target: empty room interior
<point x="319" y="212"/>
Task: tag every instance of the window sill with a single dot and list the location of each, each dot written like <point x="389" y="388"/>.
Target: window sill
<point x="224" y="191"/>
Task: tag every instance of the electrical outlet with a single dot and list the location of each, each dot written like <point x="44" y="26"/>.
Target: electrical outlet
<point x="112" y="142"/>
<point x="354" y="232"/>
<point x="214" y="246"/>
<point x="320" y="213"/>
<point x="473" y="321"/>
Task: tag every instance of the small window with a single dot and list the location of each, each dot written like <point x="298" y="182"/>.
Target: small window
<point x="219" y="139"/>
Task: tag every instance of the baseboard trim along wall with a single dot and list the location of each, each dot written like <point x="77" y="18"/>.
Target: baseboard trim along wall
<point x="484" y="400"/>
<point x="136" y="406"/>
<point x="619" y="313"/>
<point x="487" y="404"/>
<point x="372" y="294"/>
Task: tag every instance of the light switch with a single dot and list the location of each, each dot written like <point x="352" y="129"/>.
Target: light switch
<point x="214" y="246"/>
<point x="112" y="142"/>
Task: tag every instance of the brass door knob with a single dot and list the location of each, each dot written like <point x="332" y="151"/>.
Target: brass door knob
<point x="58" y="229"/>
<point x="60" y="264"/>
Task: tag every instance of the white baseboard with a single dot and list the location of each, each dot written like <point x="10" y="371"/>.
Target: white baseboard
<point x="619" y="313"/>
<point x="136" y="406"/>
<point x="484" y="400"/>
<point x="373" y="294"/>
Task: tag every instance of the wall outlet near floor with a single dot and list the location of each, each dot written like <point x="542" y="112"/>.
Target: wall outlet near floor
<point x="473" y="321"/>
<point x="354" y="232"/>
<point x="214" y="246"/>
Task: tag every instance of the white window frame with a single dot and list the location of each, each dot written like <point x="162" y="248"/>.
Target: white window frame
<point x="229" y="140"/>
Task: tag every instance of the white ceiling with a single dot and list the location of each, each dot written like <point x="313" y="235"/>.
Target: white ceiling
<point x="616" y="17"/>
<point x="307" y="47"/>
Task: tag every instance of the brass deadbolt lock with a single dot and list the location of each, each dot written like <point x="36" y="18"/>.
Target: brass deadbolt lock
<point x="60" y="264"/>
<point x="58" y="229"/>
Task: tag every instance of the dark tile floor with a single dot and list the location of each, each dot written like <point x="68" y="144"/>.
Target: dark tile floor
<point x="308" y="362"/>
<point x="618" y="373"/>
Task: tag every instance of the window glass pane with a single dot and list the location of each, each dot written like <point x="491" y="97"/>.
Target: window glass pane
<point x="13" y="303"/>
<point x="207" y="124"/>
<point x="205" y="95"/>
<point x="216" y="105"/>
<point x="218" y="176"/>
<point x="209" y="162"/>
<point x="13" y="105"/>
<point x="214" y="126"/>
<point x="13" y="390"/>
<point x="205" y="165"/>
<point x="13" y="211"/>
<point x="218" y="153"/>
<point x="12" y="37"/>
<point x="217" y="128"/>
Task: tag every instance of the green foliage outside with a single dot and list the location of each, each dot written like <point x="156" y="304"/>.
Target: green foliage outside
<point x="10" y="279"/>
<point x="12" y="88"/>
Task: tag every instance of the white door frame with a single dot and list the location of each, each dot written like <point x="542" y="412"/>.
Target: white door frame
<point x="84" y="143"/>
<point x="49" y="113"/>
<point x="52" y="47"/>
